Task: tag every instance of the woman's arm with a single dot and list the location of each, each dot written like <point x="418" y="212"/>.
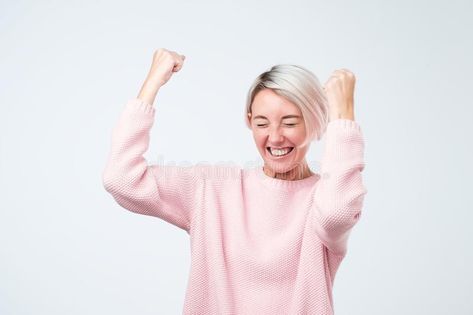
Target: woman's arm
<point x="340" y="192"/>
<point x="161" y="191"/>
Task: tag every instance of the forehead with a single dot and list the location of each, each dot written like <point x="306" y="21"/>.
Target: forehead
<point x="268" y="103"/>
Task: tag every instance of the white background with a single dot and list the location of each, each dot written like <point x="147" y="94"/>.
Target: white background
<point x="68" y="68"/>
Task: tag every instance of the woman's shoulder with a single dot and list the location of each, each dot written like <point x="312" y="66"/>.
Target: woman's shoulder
<point x="213" y="172"/>
<point x="217" y="171"/>
<point x="201" y="170"/>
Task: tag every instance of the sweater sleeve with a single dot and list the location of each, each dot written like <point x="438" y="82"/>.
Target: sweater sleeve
<point x="165" y="192"/>
<point x="340" y="191"/>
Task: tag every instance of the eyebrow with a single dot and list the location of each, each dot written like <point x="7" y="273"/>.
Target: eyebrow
<point x="284" y="117"/>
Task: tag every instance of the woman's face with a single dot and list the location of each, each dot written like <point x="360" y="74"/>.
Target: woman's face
<point x="277" y="123"/>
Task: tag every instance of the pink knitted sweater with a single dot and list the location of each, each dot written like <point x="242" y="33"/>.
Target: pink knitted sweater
<point x="259" y="245"/>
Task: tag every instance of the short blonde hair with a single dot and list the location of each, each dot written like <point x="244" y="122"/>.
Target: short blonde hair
<point x="301" y="87"/>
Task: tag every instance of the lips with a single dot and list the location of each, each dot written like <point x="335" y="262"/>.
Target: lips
<point x="281" y="156"/>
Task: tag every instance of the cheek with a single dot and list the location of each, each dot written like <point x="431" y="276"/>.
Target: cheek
<point x="297" y="135"/>
<point x="259" y="138"/>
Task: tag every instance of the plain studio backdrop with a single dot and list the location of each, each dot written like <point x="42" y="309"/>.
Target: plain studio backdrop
<point x="68" y="68"/>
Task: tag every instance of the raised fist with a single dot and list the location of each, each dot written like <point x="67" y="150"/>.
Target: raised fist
<point x="339" y="89"/>
<point x="165" y="62"/>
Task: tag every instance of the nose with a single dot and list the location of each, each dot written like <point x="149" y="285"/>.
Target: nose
<point x="275" y="136"/>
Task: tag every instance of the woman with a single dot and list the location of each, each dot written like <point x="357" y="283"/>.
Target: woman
<point x="267" y="240"/>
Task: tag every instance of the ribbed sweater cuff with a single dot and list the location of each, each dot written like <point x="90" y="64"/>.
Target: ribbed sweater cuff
<point x="345" y="124"/>
<point x="344" y="144"/>
<point x="138" y="106"/>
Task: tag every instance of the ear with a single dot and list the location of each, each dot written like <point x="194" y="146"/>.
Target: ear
<point x="248" y="121"/>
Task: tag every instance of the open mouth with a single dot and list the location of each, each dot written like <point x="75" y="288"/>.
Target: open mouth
<point x="279" y="152"/>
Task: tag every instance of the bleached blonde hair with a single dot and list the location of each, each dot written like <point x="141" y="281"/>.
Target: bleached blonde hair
<point x="299" y="86"/>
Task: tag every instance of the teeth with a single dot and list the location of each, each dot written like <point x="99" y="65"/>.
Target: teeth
<point x="279" y="152"/>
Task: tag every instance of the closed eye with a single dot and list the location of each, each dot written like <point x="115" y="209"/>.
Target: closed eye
<point x="289" y="125"/>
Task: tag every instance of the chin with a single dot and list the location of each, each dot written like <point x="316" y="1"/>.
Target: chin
<point x="276" y="167"/>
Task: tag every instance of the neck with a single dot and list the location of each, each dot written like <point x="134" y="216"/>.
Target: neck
<point x="297" y="173"/>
